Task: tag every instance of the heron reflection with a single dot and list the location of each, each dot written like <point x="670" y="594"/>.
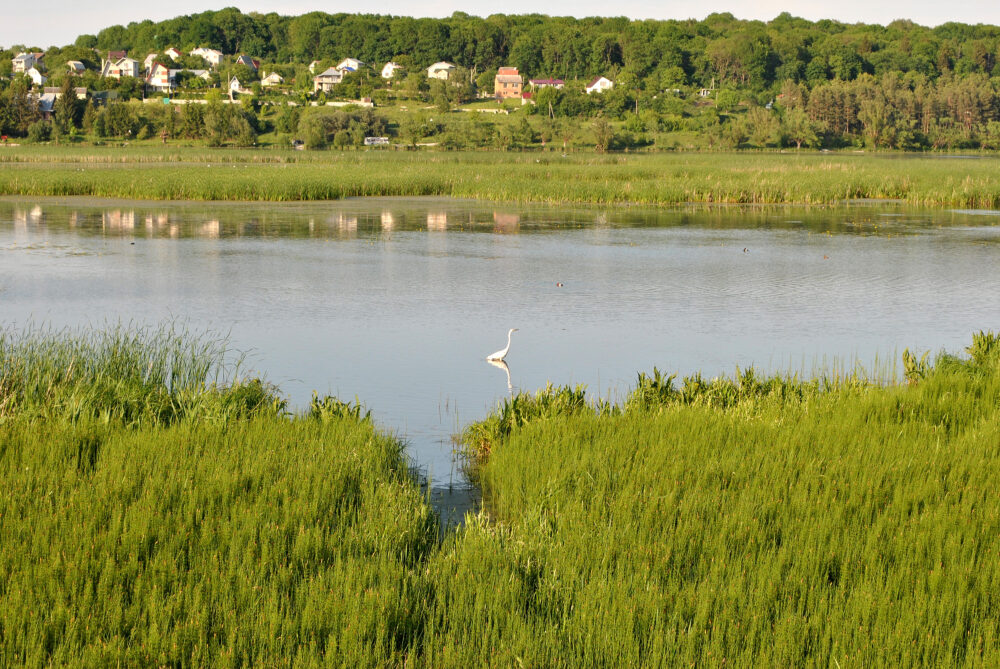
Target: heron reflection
<point x="503" y="365"/>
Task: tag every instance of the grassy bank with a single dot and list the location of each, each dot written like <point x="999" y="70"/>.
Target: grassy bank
<point x="744" y="522"/>
<point x="152" y="515"/>
<point x="747" y="521"/>
<point x="213" y="174"/>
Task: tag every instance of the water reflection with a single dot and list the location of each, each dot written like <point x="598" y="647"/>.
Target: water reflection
<point x="351" y="219"/>
<point x="503" y="365"/>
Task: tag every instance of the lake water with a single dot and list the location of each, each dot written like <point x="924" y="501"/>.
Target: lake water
<point x="398" y="301"/>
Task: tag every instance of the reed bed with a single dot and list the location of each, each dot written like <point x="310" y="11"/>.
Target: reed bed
<point x="741" y="522"/>
<point x="176" y="174"/>
<point x="219" y="537"/>
<point x="744" y="521"/>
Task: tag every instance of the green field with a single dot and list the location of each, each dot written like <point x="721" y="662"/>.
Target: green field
<point x="157" y="173"/>
<point x="156" y="509"/>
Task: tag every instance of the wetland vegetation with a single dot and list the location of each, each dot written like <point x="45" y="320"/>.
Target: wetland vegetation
<point x="218" y="174"/>
<point x="157" y="508"/>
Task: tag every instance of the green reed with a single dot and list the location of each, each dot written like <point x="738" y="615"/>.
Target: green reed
<point x="274" y="175"/>
<point x="739" y="521"/>
<point x="747" y="521"/>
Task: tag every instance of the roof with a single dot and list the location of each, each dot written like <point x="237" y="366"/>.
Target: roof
<point x="330" y="72"/>
<point x="247" y="60"/>
<point x="117" y="55"/>
<point x="596" y="79"/>
<point x="508" y="78"/>
<point x="507" y="71"/>
<point x="548" y="82"/>
<point x="440" y="65"/>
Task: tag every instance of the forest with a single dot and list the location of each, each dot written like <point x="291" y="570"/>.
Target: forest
<point x="717" y="82"/>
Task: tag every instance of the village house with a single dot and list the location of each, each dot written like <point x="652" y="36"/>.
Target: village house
<point x="705" y="93"/>
<point x="327" y="79"/>
<point x="440" y="70"/>
<point x="37" y="78"/>
<point x="47" y="104"/>
<point x="75" y="67"/>
<point x="273" y="79"/>
<point x="507" y="83"/>
<point x="252" y="63"/>
<point x="80" y="92"/>
<point x="542" y="83"/>
<point x="117" y="66"/>
<point x="173" y="53"/>
<point x="350" y="65"/>
<point x="389" y="69"/>
<point x="161" y="79"/>
<point x="236" y="87"/>
<point x="25" y="61"/>
<point x="599" y="85"/>
<point x="211" y="56"/>
<point x="312" y="66"/>
<point x="147" y="64"/>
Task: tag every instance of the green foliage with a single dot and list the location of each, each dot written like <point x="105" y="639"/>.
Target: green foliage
<point x="854" y="525"/>
<point x="745" y="521"/>
<point x="985" y="347"/>
<point x="913" y="369"/>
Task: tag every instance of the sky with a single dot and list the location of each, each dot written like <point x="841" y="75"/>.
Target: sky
<point x="58" y="22"/>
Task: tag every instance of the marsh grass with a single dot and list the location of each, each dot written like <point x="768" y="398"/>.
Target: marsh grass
<point x="156" y="509"/>
<point x="213" y="174"/>
<point x="743" y="521"/>
<point x="135" y="375"/>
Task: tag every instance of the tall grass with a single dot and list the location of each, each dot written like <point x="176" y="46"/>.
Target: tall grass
<point x="150" y="375"/>
<point x="747" y="521"/>
<point x="167" y="174"/>
<point x="791" y="524"/>
<point x="137" y="530"/>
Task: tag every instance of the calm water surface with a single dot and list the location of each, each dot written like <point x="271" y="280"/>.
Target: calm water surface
<point x="398" y="301"/>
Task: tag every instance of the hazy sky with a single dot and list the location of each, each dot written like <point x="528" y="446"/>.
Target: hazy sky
<point x="58" y="22"/>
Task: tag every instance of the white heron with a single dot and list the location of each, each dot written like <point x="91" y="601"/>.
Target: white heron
<point x="502" y="353"/>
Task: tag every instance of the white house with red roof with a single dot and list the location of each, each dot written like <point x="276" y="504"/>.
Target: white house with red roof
<point x="599" y="85"/>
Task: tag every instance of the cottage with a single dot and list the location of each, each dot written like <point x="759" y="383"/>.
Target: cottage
<point x="80" y="92"/>
<point x="236" y="87"/>
<point x="599" y="85"/>
<point x="211" y="56"/>
<point x="173" y="53"/>
<point x="147" y="64"/>
<point x="121" y="67"/>
<point x="75" y="67"/>
<point x="705" y="93"/>
<point x="389" y="69"/>
<point x="273" y="79"/>
<point x="159" y="78"/>
<point x="507" y="83"/>
<point x="327" y="79"/>
<point x="542" y="83"/>
<point x="350" y="65"/>
<point x="37" y="78"/>
<point x="312" y="66"/>
<point x="252" y="63"/>
<point x="47" y="104"/>
<point x="440" y="70"/>
<point x="23" y="62"/>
